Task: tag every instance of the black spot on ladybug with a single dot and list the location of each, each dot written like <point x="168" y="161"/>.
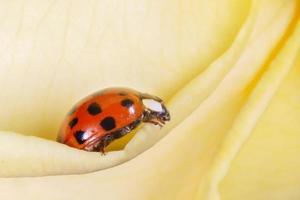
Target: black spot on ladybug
<point x="94" y="109"/>
<point x="73" y="122"/>
<point x="108" y="123"/>
<point x="127" y="103"/>
<point x="122" y="93"/>
<point x="79" y="135"/>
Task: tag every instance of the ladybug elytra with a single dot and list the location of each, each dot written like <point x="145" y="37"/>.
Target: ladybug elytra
<point x="110" y="114"/>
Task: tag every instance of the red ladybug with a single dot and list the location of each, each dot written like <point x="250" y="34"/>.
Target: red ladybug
<point x="110" y="114"/>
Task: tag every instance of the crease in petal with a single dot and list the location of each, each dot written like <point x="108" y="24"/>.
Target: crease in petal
<point x="251" y="112"/>
<point x="269" y="156"/>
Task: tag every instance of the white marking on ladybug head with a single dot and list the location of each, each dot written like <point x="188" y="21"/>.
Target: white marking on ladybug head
<point x="153" y="105"/>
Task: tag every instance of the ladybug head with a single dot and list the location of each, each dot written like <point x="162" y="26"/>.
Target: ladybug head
<point x="156" y="110"/>
<point x="164" y="113"/>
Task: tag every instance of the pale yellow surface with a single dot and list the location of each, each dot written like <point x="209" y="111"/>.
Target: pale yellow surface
<point x="229" y="71"/>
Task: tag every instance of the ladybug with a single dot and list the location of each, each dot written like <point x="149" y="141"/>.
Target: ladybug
<point x="110" y="114"/>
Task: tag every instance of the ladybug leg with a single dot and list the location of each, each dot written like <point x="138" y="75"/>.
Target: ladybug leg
<point x="105" y="141"/>
<point x="101" y="147"/>
<point x="156" y="123"/>
<point x="102" y="151"/>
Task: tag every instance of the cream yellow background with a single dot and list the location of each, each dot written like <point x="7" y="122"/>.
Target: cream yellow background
<point x="229" y="71"/>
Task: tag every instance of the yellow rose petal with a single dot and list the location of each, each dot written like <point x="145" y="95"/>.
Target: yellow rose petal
<point x="267" y="165"/>
<point x="214" y="80"/>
